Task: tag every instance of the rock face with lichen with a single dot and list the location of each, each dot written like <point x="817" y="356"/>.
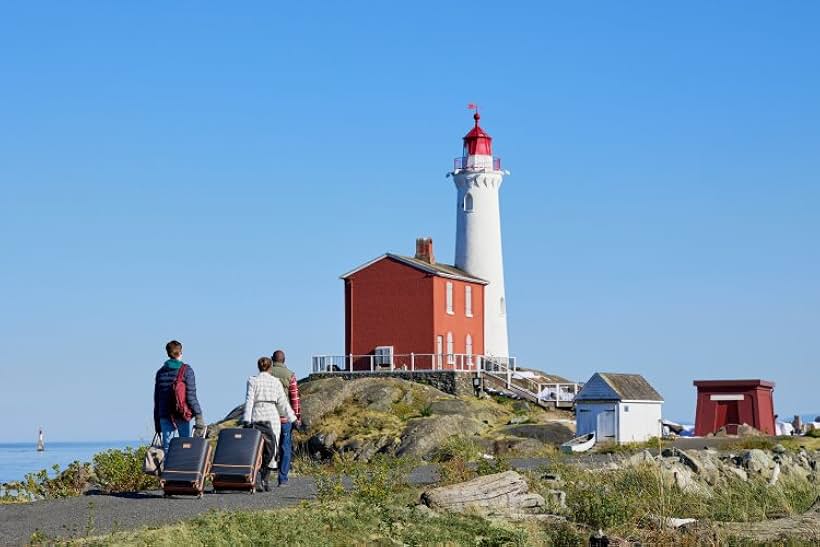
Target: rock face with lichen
<point x="367" y="416"/>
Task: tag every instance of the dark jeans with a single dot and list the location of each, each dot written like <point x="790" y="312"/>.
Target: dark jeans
<point x="285" y="451"/>
<point x="267" y="437"/>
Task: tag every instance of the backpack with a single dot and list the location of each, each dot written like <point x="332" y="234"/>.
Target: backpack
<point x="180" y="390"/>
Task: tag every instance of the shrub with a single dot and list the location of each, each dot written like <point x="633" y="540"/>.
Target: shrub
<point x="73" y="481"/>
<point x="814" y="433"/>
<point x="121" y="470"/>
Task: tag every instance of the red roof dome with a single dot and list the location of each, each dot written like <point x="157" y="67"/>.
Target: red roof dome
<point x="477" y="141"/>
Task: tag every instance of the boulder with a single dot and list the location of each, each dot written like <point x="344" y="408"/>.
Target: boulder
<point x="757" y="462"/>
<point x="449" y="406"/>
<point x="553" y="433"/>
<point x="644" y="456"/>
<point x="504" y="493"/>
<point x="423" y="436"/>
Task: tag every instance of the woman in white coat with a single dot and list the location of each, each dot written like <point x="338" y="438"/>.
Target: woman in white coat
<point x="265" y="402"/>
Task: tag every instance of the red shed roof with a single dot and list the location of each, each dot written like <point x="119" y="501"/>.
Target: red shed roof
<point x="732" y="383"/>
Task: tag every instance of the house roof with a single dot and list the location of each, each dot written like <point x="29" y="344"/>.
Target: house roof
<point x="618" y="387"/>
<point x="441" y="270"/>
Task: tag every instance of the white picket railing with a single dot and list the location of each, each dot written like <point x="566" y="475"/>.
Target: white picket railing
<point x="412" y="362"/>
<point x="502" y="369"/>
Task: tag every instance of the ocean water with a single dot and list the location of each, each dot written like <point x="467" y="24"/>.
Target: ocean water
<point x="17" y="459"/>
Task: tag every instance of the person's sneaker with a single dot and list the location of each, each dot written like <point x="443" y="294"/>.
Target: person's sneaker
<point x="282" y="484"/>
<point x="266" y="485"/>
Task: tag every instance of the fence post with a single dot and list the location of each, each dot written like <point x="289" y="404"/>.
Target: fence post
<point x="412" y="362"/>
<point x="372" y="362"/>
<point x="350" y="363"/>
<point x="509" y="377"/>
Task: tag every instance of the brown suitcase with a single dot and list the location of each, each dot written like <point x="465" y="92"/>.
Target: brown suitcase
<point x="187" y="465"/>
<point x="237" y="459"/>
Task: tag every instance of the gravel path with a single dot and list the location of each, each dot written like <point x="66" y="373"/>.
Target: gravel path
<point x="100" y="514"/>
<point x="97" y="514"/>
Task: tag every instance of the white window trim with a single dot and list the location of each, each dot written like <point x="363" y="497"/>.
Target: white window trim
<point x="468" y="300"/>
<point x="448" y="297"/>
<point x="380" y="354"/>
<point x="451" y="356"/>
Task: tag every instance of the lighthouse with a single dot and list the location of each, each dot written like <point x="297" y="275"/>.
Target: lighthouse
<point x="478" y="177"/>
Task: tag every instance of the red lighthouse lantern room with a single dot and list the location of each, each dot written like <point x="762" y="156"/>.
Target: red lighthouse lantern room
<point x="478" y="150"/>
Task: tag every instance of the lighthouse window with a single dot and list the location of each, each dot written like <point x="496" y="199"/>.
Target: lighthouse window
<point x="468" y="203"/>
<point x="449" y="297"/>
<point x="468" y="349"/>
<point x="468" y="301"/>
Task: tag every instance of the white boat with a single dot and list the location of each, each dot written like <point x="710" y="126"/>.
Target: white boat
<point x="579" y="444"/>
<point x="41" y="443"/>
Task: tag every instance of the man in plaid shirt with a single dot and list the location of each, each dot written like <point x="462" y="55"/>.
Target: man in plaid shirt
<point x="288" y="379"/>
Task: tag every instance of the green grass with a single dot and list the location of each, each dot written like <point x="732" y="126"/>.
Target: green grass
<point x="623" y="500"/>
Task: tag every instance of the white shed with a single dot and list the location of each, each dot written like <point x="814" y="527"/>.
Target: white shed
<point x="619" y="407"/>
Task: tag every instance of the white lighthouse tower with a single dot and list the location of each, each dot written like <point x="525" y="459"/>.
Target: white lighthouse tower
<point x="478" y="176"/>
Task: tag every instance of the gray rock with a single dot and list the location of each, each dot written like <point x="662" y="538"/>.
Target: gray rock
<point x="643" y="456"/>
<point x="553" y="433"/>
<point x="557" y="498"/>
<point x="515" y="420"/>
<point x="449" y="406"/>
<point x="738" y="472"/>
<point x="757" y="462"/>
<point x="779" y="449"/>
<point x="423" y="436"/>
<point x="521" y="406"/>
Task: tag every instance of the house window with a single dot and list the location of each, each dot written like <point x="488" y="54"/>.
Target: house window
<point x="451" y="357"/>
<point x="468" y="301"/>
<point x="468" y="203"/>
<point x="450" y="297"/>
<point x="384" y="356"/>
<point x="439" y="350"/>
<point x="626" y="408"/>
<point x="468" y="349"/>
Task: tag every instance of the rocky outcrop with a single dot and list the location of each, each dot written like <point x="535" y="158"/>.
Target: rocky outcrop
<point x="423" y="436"/>
<point x="369" y="415"/>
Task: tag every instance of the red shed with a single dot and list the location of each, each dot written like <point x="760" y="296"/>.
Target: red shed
<point x="731" y="403"/>
<point x="397" y="306"/>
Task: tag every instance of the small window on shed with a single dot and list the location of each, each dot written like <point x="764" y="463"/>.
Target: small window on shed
<point x="468" y="203"/>
<point x="626" y="408"/>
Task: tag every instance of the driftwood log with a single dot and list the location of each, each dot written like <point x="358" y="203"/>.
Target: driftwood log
<point x="499" y="494"/>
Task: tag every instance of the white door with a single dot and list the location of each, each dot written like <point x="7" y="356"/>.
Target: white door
<point x="439" y="350"/>
<point x="605" y="429"/>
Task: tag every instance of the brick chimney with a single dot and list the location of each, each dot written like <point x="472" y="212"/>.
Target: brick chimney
<point x="424" y="250"/>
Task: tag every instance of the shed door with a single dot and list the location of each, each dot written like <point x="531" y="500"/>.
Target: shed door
<point x="605" y="429"/>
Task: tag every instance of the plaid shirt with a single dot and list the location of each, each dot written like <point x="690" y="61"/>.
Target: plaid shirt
<point x="293" y="394"/>
<point x="265" y="400"/>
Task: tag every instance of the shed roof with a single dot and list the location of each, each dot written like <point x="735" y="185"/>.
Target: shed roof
<point x="613" y="386"/>
<point x="442" y="270"/>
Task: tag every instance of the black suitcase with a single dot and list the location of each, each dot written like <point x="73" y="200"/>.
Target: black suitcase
<point x="187" y="465"/>
<point x="237" y="459"/>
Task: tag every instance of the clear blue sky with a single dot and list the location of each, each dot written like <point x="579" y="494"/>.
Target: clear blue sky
<point x="200" y="172"/>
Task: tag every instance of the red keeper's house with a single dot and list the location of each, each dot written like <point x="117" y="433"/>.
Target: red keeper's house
<point x="408" y="313"/>
<point x="730" y="403"/>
